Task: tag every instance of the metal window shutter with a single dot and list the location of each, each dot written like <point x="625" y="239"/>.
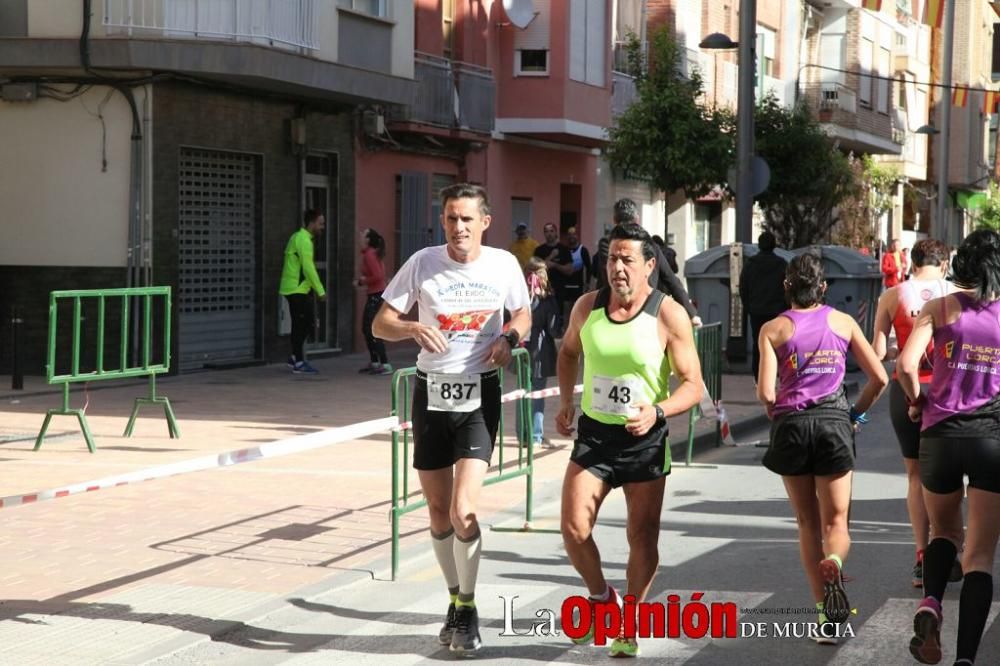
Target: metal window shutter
<point x="597" y="42"/>
<point x="413" y="228"/>
<point x="217" y="213"/>
<point x="536" y="35"/>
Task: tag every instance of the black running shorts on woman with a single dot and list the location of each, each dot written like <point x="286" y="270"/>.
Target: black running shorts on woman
<point x="442" y="438"/>
<point x="818" y="440"/>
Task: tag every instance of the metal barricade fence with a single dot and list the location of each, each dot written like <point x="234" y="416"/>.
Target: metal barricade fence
<point x="401" y="403"/>
<point x="154" y="359"/>
<point x="708" y="339"/>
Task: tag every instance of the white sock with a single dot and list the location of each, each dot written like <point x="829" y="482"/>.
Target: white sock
<point x="467" y="554"/>
<point x="445" y="554"/>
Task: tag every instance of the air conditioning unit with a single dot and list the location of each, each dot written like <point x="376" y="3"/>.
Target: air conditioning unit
<point x="373" y="123"/>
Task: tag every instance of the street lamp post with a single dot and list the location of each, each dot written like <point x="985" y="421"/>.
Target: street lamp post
<point x="744" y="113"/>
<point x="940" y="228"/>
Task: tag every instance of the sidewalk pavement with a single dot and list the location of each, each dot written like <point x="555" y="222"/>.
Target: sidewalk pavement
<point x="170" y="562"/>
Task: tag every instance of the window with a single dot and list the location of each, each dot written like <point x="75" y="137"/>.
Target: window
<point x="588" y="41"/>
<point x="370" y="7"/>
<point x="996" y="51"/>
<point x="531" y="45"/>
<point x="865" y="53"/>
<point x="532" y="61"/>
<point x="448" y="26"/>
<point x="765" y="57"/>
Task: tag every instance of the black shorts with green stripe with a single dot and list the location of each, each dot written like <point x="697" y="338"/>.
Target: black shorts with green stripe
<point x="617" y="457"/>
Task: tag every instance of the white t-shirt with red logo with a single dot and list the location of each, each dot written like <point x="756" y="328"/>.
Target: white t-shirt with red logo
<point x="464" y="301"/>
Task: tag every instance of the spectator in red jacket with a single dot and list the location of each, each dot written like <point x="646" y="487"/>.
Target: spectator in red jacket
<point x="373" y="277"/>
<point x="893" y="268"/>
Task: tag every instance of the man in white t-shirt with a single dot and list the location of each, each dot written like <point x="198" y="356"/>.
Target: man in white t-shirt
<point x="460" y="289"/>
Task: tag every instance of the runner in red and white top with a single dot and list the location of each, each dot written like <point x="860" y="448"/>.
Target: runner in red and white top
<point x="898" y="309"/>
<point x="460" y="290"/>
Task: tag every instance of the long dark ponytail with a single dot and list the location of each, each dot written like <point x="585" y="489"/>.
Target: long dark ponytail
<point x="376" y="241"/>
<point x="977" y="265"/>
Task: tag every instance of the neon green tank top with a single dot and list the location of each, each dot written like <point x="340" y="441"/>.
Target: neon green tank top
<point x="623" y="364"/>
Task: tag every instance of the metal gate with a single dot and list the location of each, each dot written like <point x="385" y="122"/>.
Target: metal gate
<point x="218" y="209"/>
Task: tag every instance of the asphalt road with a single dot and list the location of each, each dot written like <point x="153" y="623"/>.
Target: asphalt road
<point x="727" y="531"/>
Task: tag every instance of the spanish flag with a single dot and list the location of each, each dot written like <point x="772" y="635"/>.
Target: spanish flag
<point x="960" y="97"/>
<point x="990" y="102"/>
<point x="872" y="5"/>
<point x="934" y="12"/>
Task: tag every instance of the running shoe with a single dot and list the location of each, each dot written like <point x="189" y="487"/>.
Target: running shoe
<point x="835" y="603"/>
<point x="623" y="647"/>
<point x="826" y="631"/>
<point x="386" y="369"/>
<point x="588" y="638"/>
<point x="918" y="574"/>
<point x="290" y="362"/>
<point x="466" y="637"/>
<point x="925" y="646"/>
<point x="303" y="368"/>
<point x="448" y="630"/>
<point x="956" y="571"/>
<point x="367" y="370"/>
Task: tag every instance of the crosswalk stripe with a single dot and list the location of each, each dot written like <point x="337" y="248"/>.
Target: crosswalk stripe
<point x="884" y="637"/>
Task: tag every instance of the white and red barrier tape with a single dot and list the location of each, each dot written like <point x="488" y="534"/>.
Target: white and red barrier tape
<point x="274" y="449"/>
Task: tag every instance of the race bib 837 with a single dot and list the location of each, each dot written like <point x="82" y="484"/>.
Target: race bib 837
<point x="453" y="393"/>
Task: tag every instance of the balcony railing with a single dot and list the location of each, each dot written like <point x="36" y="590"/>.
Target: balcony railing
<point x="622" y="93"/>
<point x="281" y="23"/>
<point x="837" y="104"/>
<point x="455" y="95"/>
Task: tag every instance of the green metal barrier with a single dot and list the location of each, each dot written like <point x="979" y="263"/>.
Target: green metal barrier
<point x="401" y="403"/>
<point x="708" y="339"/>
<point x="143" y="367"/>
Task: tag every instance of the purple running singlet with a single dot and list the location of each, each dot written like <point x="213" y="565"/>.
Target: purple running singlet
<point x="966" y="362"/>
<point x="811" y="365"/>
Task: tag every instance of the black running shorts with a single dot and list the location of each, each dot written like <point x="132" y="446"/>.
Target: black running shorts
<point x="442" y="438"/>
<point x="617" y="457"/>
<point x="818" y="441"/>
<point x="944" y="461"/>
<point x="907" y="431"/>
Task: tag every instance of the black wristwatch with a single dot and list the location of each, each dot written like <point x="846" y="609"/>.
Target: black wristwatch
<point x="660" y="416"/>
<point x="512" y="337"/>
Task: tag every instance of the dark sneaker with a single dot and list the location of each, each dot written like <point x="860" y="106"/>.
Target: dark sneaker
<point x="367" y="370"/>
<point x="918" y="574"/>
<point x="303" y="368"/>
<point x="956" y="573"/>
<point x="835" y="603"/>
<point x="466" y="637"/>
<point x="925" y="646"/>
<point x="290" y="362"/>
<point x="448" y="630"/>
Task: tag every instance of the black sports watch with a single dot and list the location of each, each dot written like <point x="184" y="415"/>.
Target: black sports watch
<point x="512" y="337"/>
<point x="660" y="416"/>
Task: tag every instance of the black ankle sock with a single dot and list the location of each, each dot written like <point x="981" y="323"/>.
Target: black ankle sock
<point x="974" y="606"/>
<point x="938" y="560"/>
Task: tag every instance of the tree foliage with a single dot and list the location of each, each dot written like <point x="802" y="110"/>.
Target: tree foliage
<point x="988" y="214"/>
<point x="810" y="177"/>
<point x="860" y="211"/>
<point x="666" y="136"/>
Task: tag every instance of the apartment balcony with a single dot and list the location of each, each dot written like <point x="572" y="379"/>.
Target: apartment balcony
<point x="623" y="93"/>
<point x="856" y="126"/>
<point x="290" y="24"/>
<point x="273" y="46"/>
<point x="450" y="95"/>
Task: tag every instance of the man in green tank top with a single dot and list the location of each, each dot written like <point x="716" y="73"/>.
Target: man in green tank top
<point x="631" y="338"/>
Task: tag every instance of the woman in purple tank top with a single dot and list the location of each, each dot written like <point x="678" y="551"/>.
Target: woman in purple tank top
<point x="812" y="430"/>
<point x="960" y="436"/>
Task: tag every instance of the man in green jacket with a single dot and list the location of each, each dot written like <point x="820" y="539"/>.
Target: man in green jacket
<point x="298" y="279"/>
